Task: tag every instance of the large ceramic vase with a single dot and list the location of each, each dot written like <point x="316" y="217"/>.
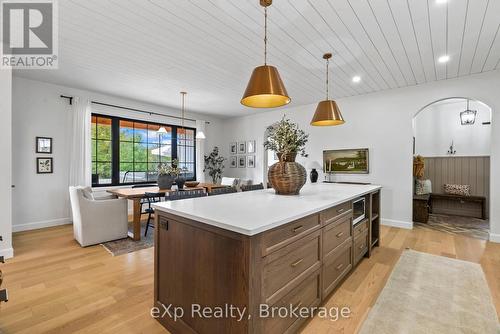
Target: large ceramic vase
<point x="287" y="177"/>
<point x="165" y="181"/>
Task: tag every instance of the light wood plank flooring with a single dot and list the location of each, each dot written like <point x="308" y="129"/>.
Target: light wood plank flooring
<point x="57" y="287"/>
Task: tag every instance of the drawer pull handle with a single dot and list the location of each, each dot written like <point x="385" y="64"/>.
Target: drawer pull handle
<point x="362" y="246"/>
<point x="340" y="210"/>
<point x="164" y="224"/>
<point x="339" y="266"/>
<point x="340" y="234"/>
<point x="296" y="263"/>
<point x="297" y="228"/>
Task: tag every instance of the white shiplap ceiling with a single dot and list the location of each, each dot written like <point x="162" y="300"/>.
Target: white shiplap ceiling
<point x="150" y="50"/>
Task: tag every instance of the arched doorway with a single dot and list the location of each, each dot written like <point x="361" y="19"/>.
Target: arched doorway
<point x="269" y="157"/>
<point x="452" y="139"/>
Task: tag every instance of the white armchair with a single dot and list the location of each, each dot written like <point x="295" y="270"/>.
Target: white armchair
<point x="97" y="220"/>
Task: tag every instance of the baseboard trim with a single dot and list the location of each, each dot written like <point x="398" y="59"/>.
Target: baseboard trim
<point x="397" y="223"/>
<point x="494" y="237"/>
<point x="7" y="252"/>
<point x="41" y="224"/>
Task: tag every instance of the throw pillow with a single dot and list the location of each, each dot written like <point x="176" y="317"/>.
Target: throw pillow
<point x="87" y="193"/>
<point x="457" y="189"/>
<point x="423" y="187"/>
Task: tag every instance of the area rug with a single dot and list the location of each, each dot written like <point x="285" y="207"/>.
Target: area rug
<point x="127" y="245"/>
<point x="433" y="294"/>
<point x="466" y="226"/>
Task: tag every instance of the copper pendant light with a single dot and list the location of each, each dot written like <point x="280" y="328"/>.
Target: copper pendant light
<point x="265" y="88"/>
<point x="327" y="112"/>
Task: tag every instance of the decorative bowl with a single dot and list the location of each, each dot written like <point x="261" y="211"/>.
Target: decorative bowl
<point x="191" y="184"/>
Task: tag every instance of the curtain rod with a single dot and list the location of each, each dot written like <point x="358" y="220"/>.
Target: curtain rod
<point x="70" y="98"/>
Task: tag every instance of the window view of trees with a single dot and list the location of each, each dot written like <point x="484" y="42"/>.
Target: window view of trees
<point x="139" y="150"/>
<point x="101" y="150"/>
<point x="142" y="148"/>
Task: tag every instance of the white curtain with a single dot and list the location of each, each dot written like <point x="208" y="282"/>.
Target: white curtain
<point x="81" y="163"/>
<point x="200" y="152"/>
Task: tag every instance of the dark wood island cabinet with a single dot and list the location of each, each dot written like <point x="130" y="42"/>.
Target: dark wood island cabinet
<point x="204" y="264"/>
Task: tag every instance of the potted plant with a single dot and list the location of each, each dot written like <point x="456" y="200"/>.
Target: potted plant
<point x="168" y="173"/>
<point x="287" y="177"/>
<point x="214" y="163"/>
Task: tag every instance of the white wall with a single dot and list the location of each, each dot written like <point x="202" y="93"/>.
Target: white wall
<point x="383" y="123"/>
<point x="6" y="165"/>
<point x="439" y="124"/>
<point x="39" y="111"/>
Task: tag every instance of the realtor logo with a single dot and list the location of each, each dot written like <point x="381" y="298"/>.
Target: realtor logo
<point x="29" y="34"/>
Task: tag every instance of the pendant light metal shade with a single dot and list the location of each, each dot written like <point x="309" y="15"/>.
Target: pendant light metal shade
<point x="265" y="89"/>
<point x="327" y="112"/>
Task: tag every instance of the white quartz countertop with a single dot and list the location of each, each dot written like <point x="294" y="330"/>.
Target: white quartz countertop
<point x="253" y="212"/>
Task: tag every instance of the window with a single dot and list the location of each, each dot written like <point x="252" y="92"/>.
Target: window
<point x="126" y="151"/>
<point x="186" y="150"/>
<point x="101" y="150"/>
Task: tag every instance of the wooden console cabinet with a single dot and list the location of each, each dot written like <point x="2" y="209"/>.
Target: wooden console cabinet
<point x="296" y="264"/>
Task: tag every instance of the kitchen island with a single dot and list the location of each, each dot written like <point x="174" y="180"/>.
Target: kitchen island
<point x="221" y="260"/>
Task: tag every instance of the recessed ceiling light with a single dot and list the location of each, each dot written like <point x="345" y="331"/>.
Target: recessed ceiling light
<point x="356" y="79"/>
<point x="444" y="59"/>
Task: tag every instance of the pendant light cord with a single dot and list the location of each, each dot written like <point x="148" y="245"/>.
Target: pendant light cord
<point x="265" y="35"/>
<point x="327" y="82"/>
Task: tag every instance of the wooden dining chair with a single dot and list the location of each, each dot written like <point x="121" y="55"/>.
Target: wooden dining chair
<point x="144" y="200"/>
<point x="150" y="199"/>
<point x="252" y="187"/>
<point x="221" y="191"/>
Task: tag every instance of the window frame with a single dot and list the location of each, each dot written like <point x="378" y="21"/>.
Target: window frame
<point x="115" y="148"/>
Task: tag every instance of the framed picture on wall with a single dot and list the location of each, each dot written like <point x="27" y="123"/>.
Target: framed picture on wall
<point x="233" y="148"/>
<point x="350" y="161"/>
<point x="44" y="145"/>
<point x="242" y="161"/>
<point x="233" y="162"/>
<point x="251" y="146"/>
<point x="242" y="147"/>
<point x="251" y="161"/>
<point x="44" y="166"/>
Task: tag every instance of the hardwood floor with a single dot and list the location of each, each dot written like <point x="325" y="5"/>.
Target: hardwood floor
<point x="55" y="286"/>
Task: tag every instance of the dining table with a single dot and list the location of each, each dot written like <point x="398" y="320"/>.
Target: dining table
<point x="137" y="194"/>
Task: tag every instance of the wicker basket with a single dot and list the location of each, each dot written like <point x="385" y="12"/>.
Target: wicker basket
<point x="287" y="177"/>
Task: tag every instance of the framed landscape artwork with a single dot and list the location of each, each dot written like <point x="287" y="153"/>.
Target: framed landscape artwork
<point x="350" y="161"/>
<point x="233" y="148"/>
<point x="44" y="166"/>
<point x="43" y="145"/>
<point x="233" y="162"/>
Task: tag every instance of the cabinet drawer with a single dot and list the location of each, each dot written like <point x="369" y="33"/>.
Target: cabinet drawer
<point x="285" y="268"/>
<point x="360" y="228"/>
<point x="336" y="266"/>
<point x="284" y="235"/>
<point x="360" y="246"/>
<point x="330" y="215"/>
<point x="335" y="234"/>
<point x="307" y="294"/>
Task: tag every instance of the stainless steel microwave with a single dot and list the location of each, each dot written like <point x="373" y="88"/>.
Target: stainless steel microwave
<point x="358" y="210"/>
